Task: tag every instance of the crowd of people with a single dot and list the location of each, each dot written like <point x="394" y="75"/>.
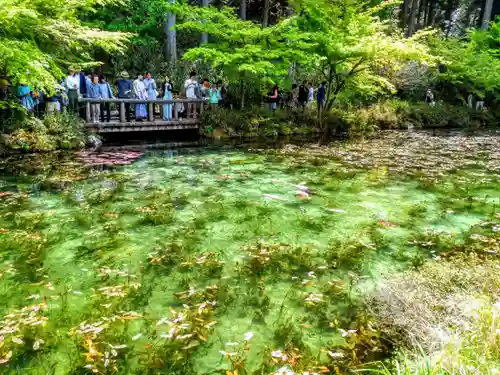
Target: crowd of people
<point x="300" y="97"/>
<point x="144" y="87"/>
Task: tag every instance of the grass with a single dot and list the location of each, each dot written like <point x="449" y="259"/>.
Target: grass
<point x="475" y="351"/>
<point x="157" y="267"/>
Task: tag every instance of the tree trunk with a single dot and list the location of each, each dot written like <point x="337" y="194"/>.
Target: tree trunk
<point x="430" y="14"/>
<point x="420" y="14"/>
<point x="265" y="19"/>
<point x="412" y="19"/>
<point x="488" y="5"/>
<point x="426" y="9"/>
<point x="452" y="6"/>
<point x="404" y="14"/>
<point x="171" y="33"/>
<point x="243" y="9"/>
<point x="242" y="94"/>
<point x="204" y="36"/>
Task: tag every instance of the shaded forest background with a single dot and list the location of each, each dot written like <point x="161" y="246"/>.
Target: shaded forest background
<point x="156" y="43"/>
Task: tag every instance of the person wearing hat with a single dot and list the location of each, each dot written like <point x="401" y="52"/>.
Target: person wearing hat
<point x="124" y="87"/>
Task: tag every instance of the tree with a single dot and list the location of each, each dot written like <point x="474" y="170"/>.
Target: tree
<point x="204" y="36"/>
<point x="473" y="64"/>
<point x="338" y="40"/>
<point x="265" y="18"/>
<point x="171" y="34"/>
<point x="241" y="49"/>
<point x="345" y="41"/>
<point x="41" y="38"/>
<point x="243" y="9"/>
<point x="153" y="33"/>
<point x="488" y="5"/>
<point x="413" y="17"/>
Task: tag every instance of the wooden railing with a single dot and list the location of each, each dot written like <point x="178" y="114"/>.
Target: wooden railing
<point x="155" y="117"/>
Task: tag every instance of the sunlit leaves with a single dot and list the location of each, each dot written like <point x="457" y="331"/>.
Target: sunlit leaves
<point x="39" y="39"/>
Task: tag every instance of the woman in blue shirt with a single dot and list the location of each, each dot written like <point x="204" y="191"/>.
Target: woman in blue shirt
<point x="24" y="94"/>
<point x="167" y="95"/>
<point x="150" y="87"/>
<point x="94" y="92"/>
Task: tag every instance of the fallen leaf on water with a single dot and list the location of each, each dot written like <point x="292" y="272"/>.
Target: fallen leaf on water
<point x="337" y="210"/>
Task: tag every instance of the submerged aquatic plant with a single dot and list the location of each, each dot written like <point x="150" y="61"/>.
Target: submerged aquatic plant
<point x="199" y="249"/>
<point x="22" y="330"/>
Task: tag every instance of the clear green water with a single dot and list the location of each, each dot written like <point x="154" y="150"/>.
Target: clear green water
<point x="226" y="238"/>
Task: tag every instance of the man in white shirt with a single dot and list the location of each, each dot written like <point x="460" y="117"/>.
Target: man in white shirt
<point x="191" y="86"/>
<point x="310" y="96"/>
<point x="72" y="83"/>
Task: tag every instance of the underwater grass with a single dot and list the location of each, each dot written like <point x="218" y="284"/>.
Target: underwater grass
<point x="241" y="262"/>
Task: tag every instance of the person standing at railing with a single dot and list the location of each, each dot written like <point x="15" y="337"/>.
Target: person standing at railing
<point x="150" y="87"/>
<point x="140" y="93"/>
<point x="88" y="82"/>
<point x="94" y="91"/>
<point x="72" y="84"/>
<point x="214" y="94"/>
<point x="106" y="93"/>
<point x="191" y="87"/>
<point x="124" y="87"/>
<point x="167" y="95"/>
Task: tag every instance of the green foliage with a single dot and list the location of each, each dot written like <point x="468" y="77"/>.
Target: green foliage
<point x="340" y="41"/>
<point x="343" y="41"/>
<point x="58" y="131"/>
<point x="40" y="38"/>
<point x="396" y="114"/>
<point x="471" y="63"/>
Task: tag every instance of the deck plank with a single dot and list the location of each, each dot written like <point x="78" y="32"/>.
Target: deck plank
<point x="114" y="127"/>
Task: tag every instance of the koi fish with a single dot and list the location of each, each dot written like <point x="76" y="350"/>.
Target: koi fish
<point x="302" y="194"/>
<point x="386" y="224"/>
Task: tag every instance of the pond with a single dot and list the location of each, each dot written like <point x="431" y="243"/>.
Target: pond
<point x="215" y="259"/>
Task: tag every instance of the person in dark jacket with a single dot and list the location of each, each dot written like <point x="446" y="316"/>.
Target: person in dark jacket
<point x="222" y="93"/>
<point x="303" y="94"/>
<point x="124" y="88"/>
<point x="321" y="96"/>
<point x="83" y="84"/>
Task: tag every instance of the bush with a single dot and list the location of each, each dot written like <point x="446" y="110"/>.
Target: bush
<point x="475" y="351"/>
<point x="397" y="114"/>
<point x="259" y="121"/>
<point x="423" y="307"/>
<point x="446" y="116"/>
<point x="389" y="114"/>
<point x="58" y="131"/>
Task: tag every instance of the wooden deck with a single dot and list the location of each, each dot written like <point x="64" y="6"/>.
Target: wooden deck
<point x="153" y="122"/>
<point x="133" y="126"/>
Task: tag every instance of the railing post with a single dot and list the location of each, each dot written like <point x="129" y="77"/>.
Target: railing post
<point x="151" y="114"/>
<point x="176" y="114"/>
<point x="201" y="107"/>
<point x="122" y="112"/>
<point x="87" y="112"/>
